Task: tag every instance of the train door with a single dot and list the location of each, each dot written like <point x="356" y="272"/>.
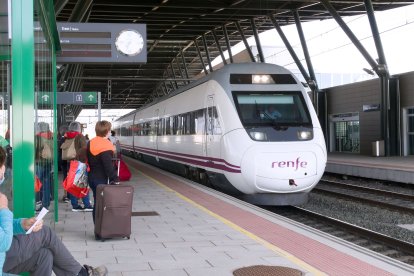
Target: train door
<point x="154" y="129"/>
<point x="133" y="134"/>
<point x="209" y="125"/>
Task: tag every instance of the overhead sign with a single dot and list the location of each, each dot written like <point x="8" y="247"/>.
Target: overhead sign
<point x="75" y="98"/>
<point x="44" y="98"/>
<point x="100" y="42"/>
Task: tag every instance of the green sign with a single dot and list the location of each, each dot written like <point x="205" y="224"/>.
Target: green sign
<point x="90" y="98"/>
<point x="79" y="98"/>
<point x="44" y="97"/>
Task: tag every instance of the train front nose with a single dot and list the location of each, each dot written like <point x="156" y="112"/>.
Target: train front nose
<point x="280" y="171"/>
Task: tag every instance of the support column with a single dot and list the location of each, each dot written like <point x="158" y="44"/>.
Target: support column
<point x="23" y="79"/>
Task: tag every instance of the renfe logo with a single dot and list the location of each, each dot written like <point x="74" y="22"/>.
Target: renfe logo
<point x="290" y="164"/>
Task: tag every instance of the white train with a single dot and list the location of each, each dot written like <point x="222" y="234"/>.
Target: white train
<point x="220" y="128"/>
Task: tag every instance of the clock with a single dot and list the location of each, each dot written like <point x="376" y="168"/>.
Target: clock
<point x="129" y="42"/>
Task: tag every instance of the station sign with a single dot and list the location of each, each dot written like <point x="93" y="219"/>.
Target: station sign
<point x="99" y="42"/>
<point x="75" y="98"/>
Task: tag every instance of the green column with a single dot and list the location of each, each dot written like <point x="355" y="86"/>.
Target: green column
<point x="22" y="102"/>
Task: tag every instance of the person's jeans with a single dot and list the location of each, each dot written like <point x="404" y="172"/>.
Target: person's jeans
<point x="74" y="201"/>
<point x="44" y="173"/>
<point x="93" y="183"/>
<point x="39" y="253"/>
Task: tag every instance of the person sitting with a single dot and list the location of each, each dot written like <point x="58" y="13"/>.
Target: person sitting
<point x="39" y="252"/>
<point x="272" y="113"/>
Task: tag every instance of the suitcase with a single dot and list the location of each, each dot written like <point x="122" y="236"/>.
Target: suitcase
<point x="124" y="173"/>
<point x="113" y="211"/>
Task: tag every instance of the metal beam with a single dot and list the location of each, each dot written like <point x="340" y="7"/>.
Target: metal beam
<point x="351" y="35"/>
<point x="207" y="53"/>
<point x="226" y="37"/>
<point x="258" y="44"/>
<point x="312" y="82"/>
<point x="290" y="49"/>
<point x="245" y="41"/>
<point x="201" y="57"/>
<point x="218" y="47"/>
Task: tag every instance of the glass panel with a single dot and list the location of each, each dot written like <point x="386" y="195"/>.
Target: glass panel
<point x="410" y="130"/>
<point x="411" y="144"/>
<point x="347" y="136"/>
<point x="5" y="94"/>
<point x="43" y="103"/>
<point x="411" y="124"/>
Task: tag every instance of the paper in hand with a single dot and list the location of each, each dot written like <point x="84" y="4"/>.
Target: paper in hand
<point x="39" y="217"/>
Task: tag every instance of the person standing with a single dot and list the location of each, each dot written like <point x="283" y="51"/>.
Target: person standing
<point x="100" y="153"/>
<point x="74" y="135"/>
<point x="63" y="164"/>
<point x="43" y="157"/>
<point x="114" y="140"/>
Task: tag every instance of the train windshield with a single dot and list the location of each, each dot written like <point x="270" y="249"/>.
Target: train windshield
<point x="272" y="108"/>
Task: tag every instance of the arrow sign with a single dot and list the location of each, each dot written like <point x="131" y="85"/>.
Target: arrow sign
<point x="44" y="98"/>
<point x="90" y="98"/>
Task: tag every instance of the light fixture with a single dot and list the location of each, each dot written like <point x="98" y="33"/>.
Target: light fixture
<point x="368" y="71"/>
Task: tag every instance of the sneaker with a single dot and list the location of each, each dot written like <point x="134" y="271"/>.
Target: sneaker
<point x="97" y="271"/>
<point x="78" y="209"/>
<point x="88" y="209"/>
<point x="65" y="199"/>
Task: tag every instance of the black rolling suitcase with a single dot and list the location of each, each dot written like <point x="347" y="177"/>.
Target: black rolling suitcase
<point x="113" y="210"/>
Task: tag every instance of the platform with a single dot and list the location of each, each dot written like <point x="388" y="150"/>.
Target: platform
<point x="183" y="228"/>
<point x="395" y="168"/>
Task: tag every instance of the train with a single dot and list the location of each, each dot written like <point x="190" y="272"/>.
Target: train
<point x="218" y="130"/>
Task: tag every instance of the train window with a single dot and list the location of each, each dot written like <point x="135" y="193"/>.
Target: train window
<point x="160" y="127"/>
<point x="188" y="123"/>
<point x="153" y="128"/>
<point x="199" y="121"/>
<point x="176" y="127"/>
<point x="217" y="127"/>
<point x="282" y="107"/>
<point x="167" y="126"/>
<point x="147" y="128"/>
<point x="262" y="79"/>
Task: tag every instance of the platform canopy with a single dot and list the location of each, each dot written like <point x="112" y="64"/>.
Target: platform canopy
<point x="182" y="36"/>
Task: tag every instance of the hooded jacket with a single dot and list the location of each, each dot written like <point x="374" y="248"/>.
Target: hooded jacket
<point x="8" y="227"/>
<point x="100" y="153"/>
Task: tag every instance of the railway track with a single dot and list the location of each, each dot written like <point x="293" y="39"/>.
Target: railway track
<point x="400" y="202"/>
<point x="388" y="246"/>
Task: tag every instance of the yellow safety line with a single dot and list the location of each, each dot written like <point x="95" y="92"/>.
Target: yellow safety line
<point x="268" y="245"/>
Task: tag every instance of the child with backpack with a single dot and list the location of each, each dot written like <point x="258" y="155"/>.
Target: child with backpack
<point x="74" y="148"/>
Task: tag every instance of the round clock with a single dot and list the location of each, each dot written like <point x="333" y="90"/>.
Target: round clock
<point x="129" y="42"/>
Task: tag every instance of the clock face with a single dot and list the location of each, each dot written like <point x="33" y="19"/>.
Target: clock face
<point x="129" y="42"/>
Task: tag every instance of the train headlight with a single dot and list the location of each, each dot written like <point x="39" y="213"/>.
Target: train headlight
<point x="258" y="136"/>
<point x="262" y="79"/>
<point x="305" y="134"/>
